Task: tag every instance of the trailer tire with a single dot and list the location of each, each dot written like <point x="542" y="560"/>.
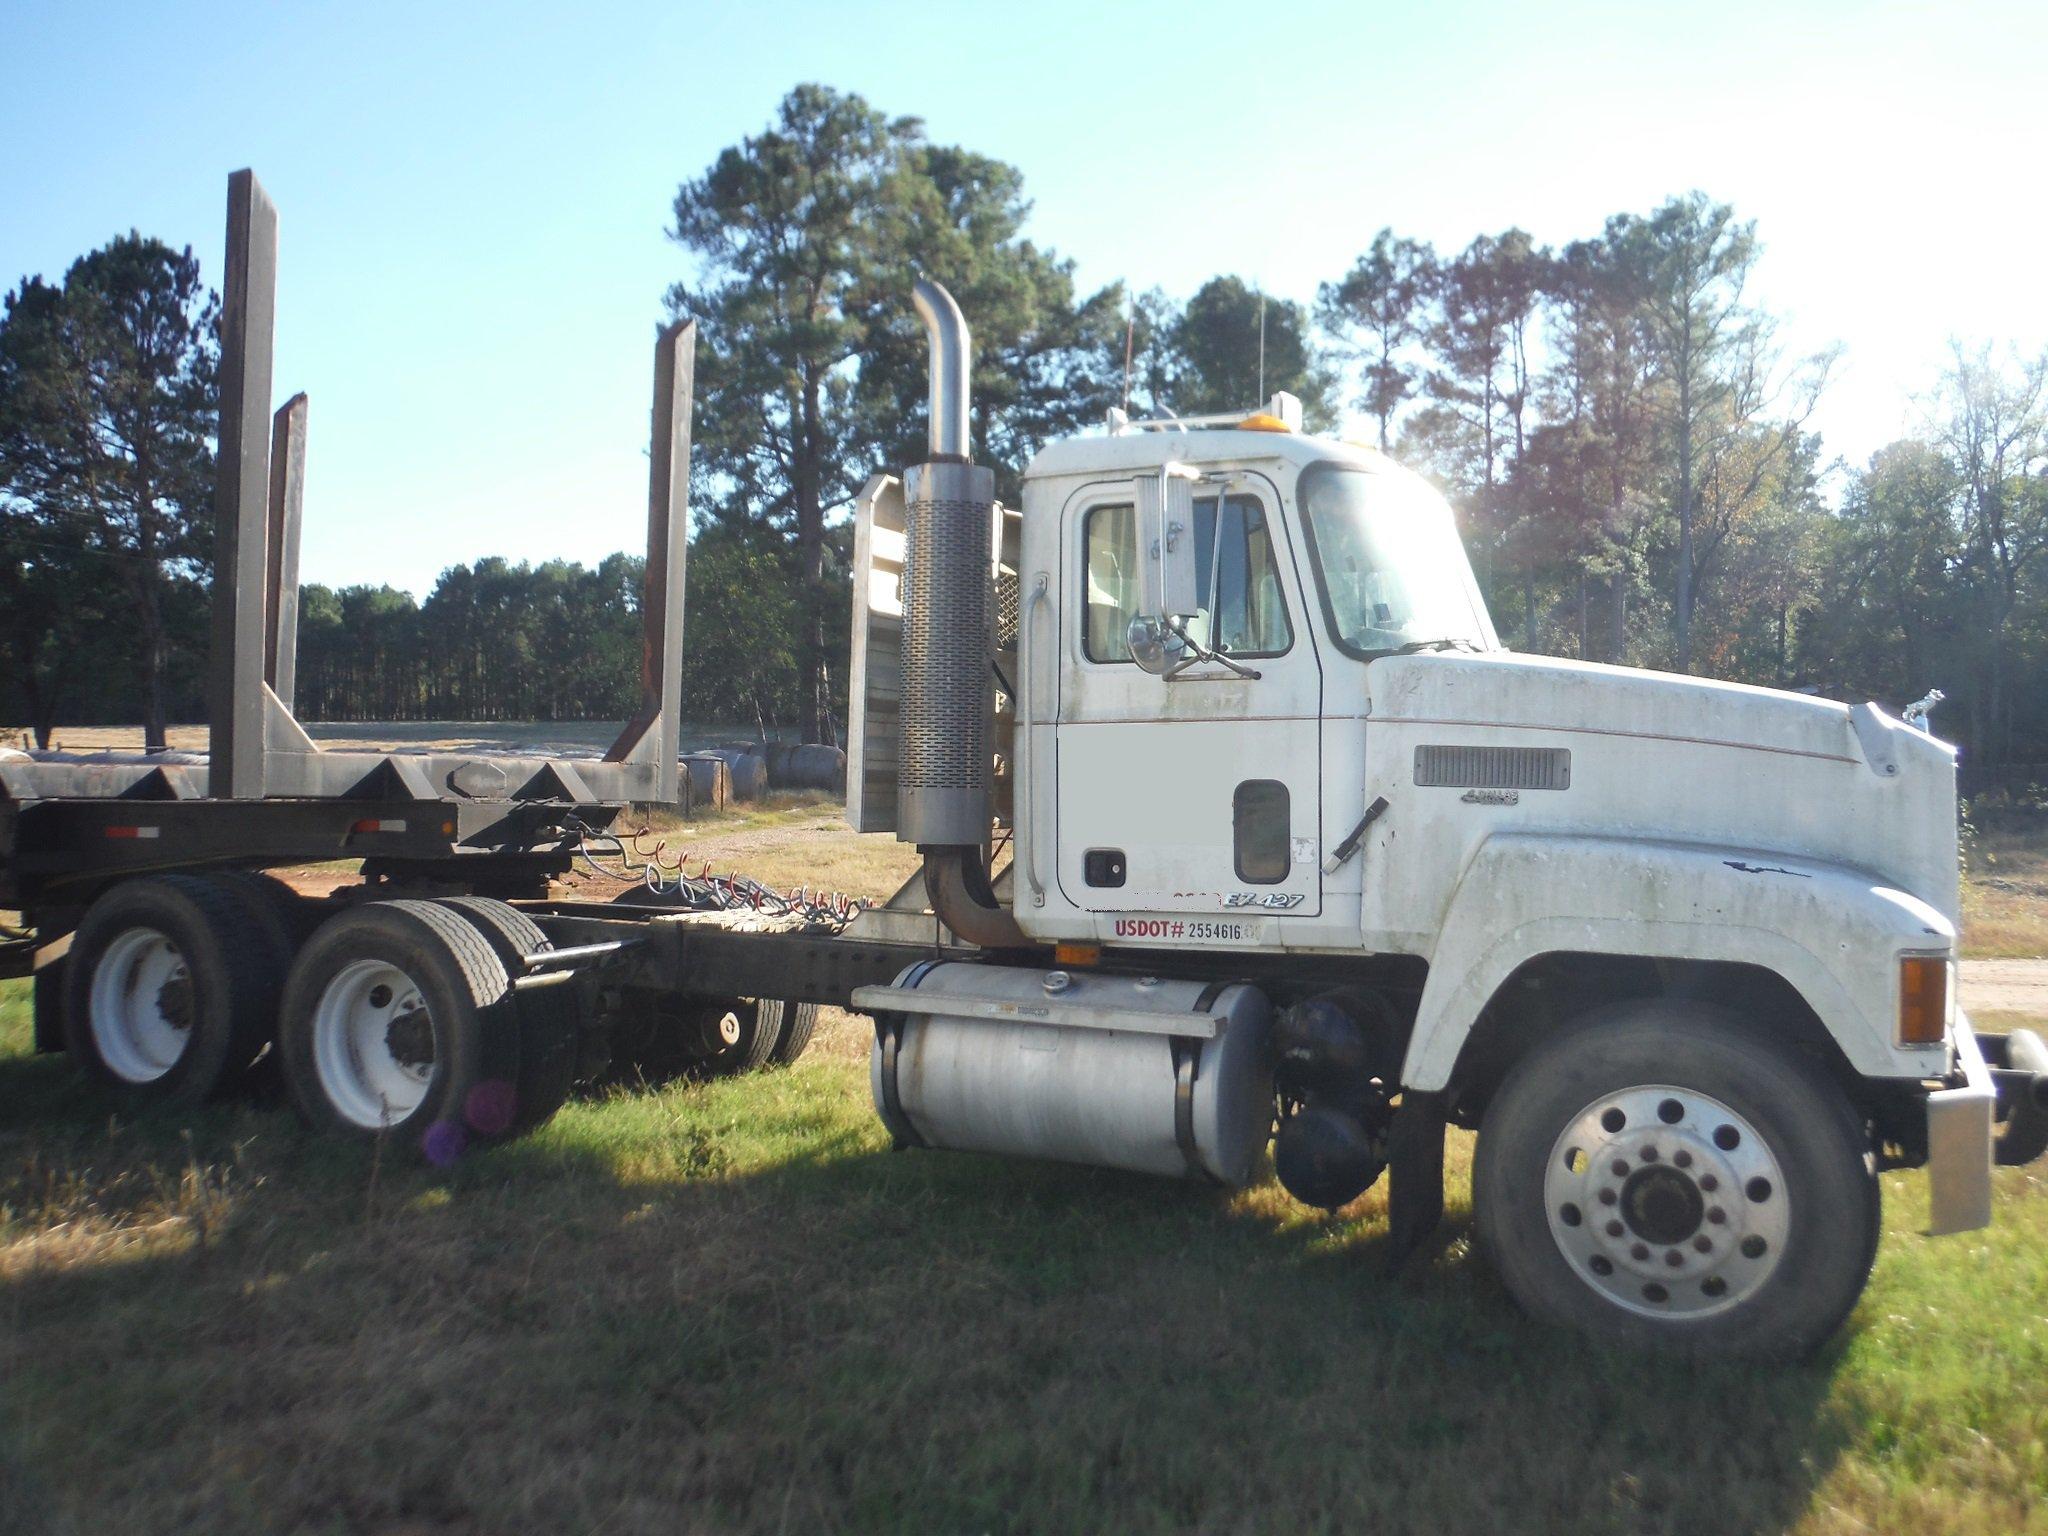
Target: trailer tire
<point x="794" y="1024"/>
<point x="759" y="1027"/>
<point x="547" y="1015"/>
<point x="157" y="959"/>
<point x="286" y="917"/>
<point x="1667" y="1176"/>
<point x="284" y="922"/>
<point x="399" y="1021"/>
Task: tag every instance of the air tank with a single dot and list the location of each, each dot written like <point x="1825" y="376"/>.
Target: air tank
<point x="1153" y="1076"/>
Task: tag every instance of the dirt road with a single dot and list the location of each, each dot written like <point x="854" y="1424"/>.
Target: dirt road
<point x="2006" y="986"/>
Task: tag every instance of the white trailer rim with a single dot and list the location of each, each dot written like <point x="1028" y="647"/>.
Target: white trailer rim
<point x="141" y="1005"/>
<point x="373" y="1044"/>
<point x="1667" y="1202"/>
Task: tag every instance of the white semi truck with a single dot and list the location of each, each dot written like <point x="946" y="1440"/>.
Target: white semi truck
<point x="1299" y="856"/>
<point x="1315" y="854"/>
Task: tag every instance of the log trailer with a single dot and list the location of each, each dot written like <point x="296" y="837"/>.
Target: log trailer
<point x="1299" y="857"/>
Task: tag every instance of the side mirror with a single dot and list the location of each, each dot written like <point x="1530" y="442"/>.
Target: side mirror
<point x="1154" y="647"/>
<point x="1166" y="544"/>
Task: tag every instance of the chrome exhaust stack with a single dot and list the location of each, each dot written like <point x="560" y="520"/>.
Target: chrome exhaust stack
<point x="946" y="764"/>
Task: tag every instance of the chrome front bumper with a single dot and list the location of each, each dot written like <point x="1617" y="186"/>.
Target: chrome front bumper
<point x="1960" y="1125"/>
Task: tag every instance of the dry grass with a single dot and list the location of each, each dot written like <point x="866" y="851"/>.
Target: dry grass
<point x="785" y="840"/>
<point x="2005" y="886"/>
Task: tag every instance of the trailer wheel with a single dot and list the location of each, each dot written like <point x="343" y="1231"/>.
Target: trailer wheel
<point x="1666" y="1176"/>
<point x="285" y="916"/>
<point x="399" y="1020"/>
<point x="547" y="1015"/>
<point x="738" y="1034"/>
<point x="282" y="921"/>
<point x="168" y="989"/>
<point x="794" y="1024"/>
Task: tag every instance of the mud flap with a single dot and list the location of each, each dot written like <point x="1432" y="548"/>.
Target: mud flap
<point x="1415" y="1174"/>
<point x="49" y="1008"/>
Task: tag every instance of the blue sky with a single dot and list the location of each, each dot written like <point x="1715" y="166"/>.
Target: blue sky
<point x="473" y="199"/>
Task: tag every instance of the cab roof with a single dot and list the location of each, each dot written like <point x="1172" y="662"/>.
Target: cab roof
<point x="1134" y="450"/>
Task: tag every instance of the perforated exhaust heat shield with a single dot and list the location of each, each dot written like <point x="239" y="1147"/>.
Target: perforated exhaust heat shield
<point x="945" y="776"/>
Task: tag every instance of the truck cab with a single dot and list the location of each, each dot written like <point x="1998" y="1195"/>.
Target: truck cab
<point x="1681" y="951"/>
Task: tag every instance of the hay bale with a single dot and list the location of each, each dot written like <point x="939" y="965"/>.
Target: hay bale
<point x="749" y="772"/>
<point x="810" y="766"/>
<point x="710" y="781"/>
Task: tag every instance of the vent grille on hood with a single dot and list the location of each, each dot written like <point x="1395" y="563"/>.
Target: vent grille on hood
<point x="1441" y="767"/>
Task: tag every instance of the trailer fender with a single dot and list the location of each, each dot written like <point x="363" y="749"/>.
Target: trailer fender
<point x="1833" y="933"/>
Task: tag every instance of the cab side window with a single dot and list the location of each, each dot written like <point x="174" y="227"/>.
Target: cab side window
<point x="1110" y="580"/>
<point x="1236" y="570"/>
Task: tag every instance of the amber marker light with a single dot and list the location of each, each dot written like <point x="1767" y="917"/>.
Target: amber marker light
<point x="1923" y="999"/>
<point x="1076" y="954"/>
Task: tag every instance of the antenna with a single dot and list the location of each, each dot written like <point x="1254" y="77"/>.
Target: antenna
<point x="1262" y="343"/>
<point x="1130" y="330"/>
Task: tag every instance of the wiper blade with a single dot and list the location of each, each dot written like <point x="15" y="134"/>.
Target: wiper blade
<point x="1446" y="644"/>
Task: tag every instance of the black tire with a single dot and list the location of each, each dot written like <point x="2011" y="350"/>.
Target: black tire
<point x="657" y="1036"/>
<point x="281" y="919"/>
<point x="469" y="1084"/>
<point x="1829" y="1203"/>
<point x="547" y="1015"/>
<point x="794" y="1024"/>
<point x="224" y="996"/>
<point x="759" y="1027"/>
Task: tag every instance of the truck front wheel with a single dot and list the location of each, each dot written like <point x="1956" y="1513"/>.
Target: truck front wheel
<point x="1667" y="1175"/>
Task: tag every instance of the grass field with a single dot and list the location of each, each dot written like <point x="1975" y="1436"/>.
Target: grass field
<point x="729" y="1306"/>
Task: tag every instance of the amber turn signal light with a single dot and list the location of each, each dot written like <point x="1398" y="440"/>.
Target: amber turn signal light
<point x="1923" y="999"/>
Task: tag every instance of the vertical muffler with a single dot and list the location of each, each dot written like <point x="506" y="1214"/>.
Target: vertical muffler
<point x="945" y="777"/>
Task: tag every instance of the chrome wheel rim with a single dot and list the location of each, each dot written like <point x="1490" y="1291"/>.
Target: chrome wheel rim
<point x="373" y="1044"/>
<point x="140" y="1006"/>
<point x="1667" y="1202"/>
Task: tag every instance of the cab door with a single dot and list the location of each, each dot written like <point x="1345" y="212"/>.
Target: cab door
<point x="1194" y="795"/>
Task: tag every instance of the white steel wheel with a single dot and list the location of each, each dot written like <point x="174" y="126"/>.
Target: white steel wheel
<point x="399" y="1020"/>
<point x="140" y="1005"/>
<point x="1667" y="1201"/>
<point x="169" y="990"/>
<point x="373" y="1044"/>
<point x="1671" y="1175"/>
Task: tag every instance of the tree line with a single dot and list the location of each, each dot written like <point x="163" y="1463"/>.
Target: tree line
<point x="1618" y="423"/>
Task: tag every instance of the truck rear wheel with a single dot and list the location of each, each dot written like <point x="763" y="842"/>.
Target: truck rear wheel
<point x="168" y="989"/>
<point x="399" y="1020"/>
<point x="1665" y="1176"/>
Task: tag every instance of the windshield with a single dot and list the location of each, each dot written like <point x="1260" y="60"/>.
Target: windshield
<point x="1391" y="570"/>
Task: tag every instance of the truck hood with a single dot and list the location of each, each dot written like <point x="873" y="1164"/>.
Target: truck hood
<point x="1653" y="754"/>
<point x="1500" y="688"/>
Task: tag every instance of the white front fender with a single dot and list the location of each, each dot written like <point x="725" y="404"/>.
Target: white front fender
<point x="1835" y="934"/>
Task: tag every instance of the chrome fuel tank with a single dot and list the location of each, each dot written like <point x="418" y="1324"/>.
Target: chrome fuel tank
<point x="1154" y="1076"/>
